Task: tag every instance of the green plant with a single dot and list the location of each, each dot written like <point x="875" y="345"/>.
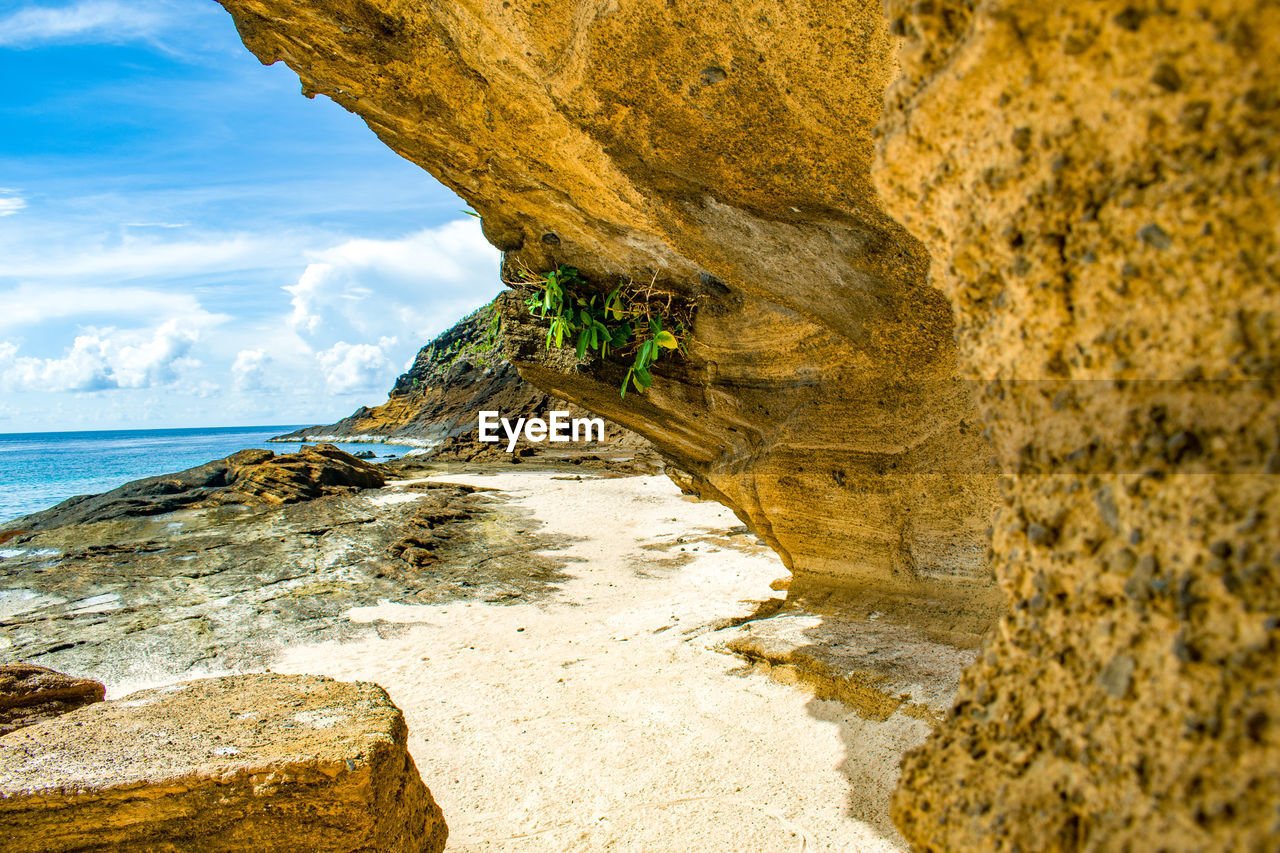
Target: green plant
<point x="624" y="322"/>
<point x="495" y="324"/>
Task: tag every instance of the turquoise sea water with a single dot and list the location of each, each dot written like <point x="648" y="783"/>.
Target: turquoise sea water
<point x="38" y="470"/>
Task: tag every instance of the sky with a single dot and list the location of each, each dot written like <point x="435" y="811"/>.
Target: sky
<point x="187" y="241"/>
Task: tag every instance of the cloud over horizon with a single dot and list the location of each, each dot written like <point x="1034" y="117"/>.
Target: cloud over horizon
<point x="355" y="367"/>
<point x="189" y="242"/>
<point x="358" y="289"/>
<point x="353" y="318"/>
<point x="104" y="360"/>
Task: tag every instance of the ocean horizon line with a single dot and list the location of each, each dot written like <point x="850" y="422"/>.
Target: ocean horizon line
<point x="252" y="427"/>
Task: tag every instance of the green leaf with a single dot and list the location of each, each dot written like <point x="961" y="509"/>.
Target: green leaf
<point x="636" y="382"/>
<point x="471" y="213"/>
<point x="666" y="340"/>
<point x="583" y="339"/>
<point x="655" y="324"/>
<point x="645" y="378"/>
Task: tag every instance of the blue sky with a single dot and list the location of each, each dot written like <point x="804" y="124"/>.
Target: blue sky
<point x="185" y="240"/>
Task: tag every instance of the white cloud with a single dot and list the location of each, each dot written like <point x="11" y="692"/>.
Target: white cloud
<point x="309" y="352"/>
<point x="11" y="203"/>
<point x="28" y="305"/>
<point x="136" y="258"/>
<point x="86" y="21"/>
<point x="411" y="288"/>
<point x="356" y="367"/>
<point x="103" y="360"/>
<point x="248" y="372"/>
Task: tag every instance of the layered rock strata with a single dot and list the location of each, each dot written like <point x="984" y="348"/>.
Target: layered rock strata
<point x="1098" y="184"/>
<point x="723" y="158"/>
<point x="31" y="694"/>
<point x="254" y="762"/>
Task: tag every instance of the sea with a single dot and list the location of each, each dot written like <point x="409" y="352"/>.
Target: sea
<point x="40" y="469"/>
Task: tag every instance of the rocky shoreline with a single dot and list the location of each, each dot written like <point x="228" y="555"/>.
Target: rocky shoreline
<point x="153" y="581"/>
<point x="282" y="563"/>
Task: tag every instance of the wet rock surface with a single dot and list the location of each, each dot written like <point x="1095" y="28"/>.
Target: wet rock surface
<point x="32" y="694"/>
<point x="248" y="477"/>
<point x="135" y="600"/>
<point x="256" y="762"/>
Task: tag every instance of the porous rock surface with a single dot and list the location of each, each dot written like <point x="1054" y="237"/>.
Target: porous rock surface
<point x="723" y="155"/>
<point x="1099" y="186"/>
<point x="1095" y="185"/>
<point x="30" y="694"/>
<point x="253" y="762"/>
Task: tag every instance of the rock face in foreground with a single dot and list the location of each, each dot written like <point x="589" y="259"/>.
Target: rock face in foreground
<point x="255" y="762"/>
<point x="1099" y="185"/>
<point x="31" y="694"/>
<point x="724" y="156"/>
<point x="249" y="476"/>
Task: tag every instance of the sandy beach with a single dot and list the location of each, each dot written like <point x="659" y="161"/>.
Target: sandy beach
<point x="605" y="717"/>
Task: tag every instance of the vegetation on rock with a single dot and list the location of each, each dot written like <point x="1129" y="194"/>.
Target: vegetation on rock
<point x="627" y="321"/>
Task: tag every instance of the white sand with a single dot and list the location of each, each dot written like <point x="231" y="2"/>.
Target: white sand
<point x="605" y="724"/>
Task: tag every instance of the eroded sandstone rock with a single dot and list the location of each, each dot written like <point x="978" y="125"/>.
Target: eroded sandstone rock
<point x="1099" y="186"/>
<point x="31" y="694"/>
<point x="722" y="153"/>
<point x="1096" y="184"/>
<point x="254" y="762"/>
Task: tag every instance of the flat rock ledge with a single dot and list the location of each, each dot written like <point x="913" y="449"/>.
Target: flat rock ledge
<point x="249" y="762"/>
<point x="31" y="694"/>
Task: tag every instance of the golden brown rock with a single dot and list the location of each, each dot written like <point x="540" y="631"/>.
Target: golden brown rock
<point x="724" y="154"/>
<point x="1096" y="184"/>
<point x="31" y="694"/>
<point x="1099" y="186"/>
<point x="255" y="762"/>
